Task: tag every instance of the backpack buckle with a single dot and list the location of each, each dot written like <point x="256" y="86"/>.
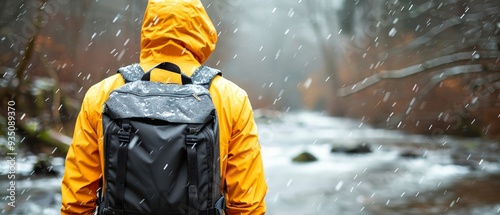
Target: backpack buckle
<point x="191" y="139"/>
<point x="124" y="132"/>
<point x="191" y="130"/>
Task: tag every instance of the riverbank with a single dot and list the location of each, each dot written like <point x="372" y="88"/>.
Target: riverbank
<point x="473" y="194"/>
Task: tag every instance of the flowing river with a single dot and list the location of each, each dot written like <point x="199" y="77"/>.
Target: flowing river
<point x="430" y="179"/>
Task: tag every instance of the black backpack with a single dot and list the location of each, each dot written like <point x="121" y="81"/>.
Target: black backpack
<point x="161" y="144"/>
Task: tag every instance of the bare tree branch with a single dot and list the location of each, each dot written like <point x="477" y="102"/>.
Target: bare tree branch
<point x="411" y="70"/>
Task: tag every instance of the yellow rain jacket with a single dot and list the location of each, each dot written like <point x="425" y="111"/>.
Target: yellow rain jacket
<point x="181" y="32"/>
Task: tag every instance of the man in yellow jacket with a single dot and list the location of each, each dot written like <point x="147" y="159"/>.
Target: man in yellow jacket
<point x="179" y="32"/>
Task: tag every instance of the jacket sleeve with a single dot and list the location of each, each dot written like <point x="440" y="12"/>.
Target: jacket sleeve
<point x="82" y="168"/>
<point x="245" y="180"/>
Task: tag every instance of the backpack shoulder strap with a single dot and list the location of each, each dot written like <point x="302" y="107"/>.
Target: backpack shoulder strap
<point x="131" y="72"/>
<point x="204" y="75"/>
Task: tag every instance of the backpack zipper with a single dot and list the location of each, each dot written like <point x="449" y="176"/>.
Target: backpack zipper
<point x="196" y="97"/>
<point x="210" y="149"/>
<point x="106" y="163"/>
<point x="178" y="95"/>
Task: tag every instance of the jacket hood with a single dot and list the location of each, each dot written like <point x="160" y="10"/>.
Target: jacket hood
<point x="177" y="31"/>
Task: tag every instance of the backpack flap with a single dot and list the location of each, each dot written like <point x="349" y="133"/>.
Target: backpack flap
<point x="168" y="102"/>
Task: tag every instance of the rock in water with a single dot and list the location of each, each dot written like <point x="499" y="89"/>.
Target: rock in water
<point x="44" y="167"/>
<point x="362" y="148"/>
<point x="304" y="157"/>
<point x="412" y="153"/>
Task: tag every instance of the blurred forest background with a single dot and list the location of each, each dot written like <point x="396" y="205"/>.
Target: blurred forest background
<point x="423" y="67"/>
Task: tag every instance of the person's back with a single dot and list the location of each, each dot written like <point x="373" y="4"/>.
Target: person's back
<point x="179" y="32"/>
